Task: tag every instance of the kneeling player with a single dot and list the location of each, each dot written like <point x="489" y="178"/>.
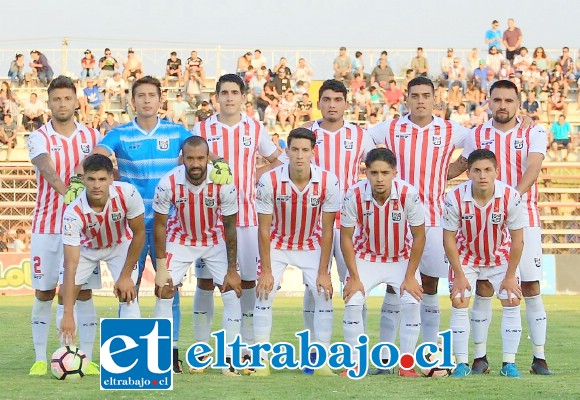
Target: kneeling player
<point x="480" y="212"/>
<point x="105" y="223"/>
<point x="385" y="214"/>
<point x="195" y="230"/>
<point x="296" y="204"/>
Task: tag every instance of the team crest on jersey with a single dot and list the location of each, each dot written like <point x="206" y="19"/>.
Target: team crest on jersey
<point x="209" y="201"/>
<point x="85" y="148"/>
<point x="396" y="216"/>
<point x="348" y="144"/>
<point x="281" y="198"/>
<point x="496" y="218"/>
<point x="467" y="217"/>
<point x="162" y="144"/>
<point x="436" y="140"/>
<point x="116" y="216"/>
<point x="314" y="202"/>
<point x="518" y="143"/>
<point x="67" y="229"/>
<point x="537" y="262"/>
<point x="247" y="140"/>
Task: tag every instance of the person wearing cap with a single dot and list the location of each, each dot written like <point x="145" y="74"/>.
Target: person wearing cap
<point x="493" y="35"/>
<point x="88" y="65"/>
<point x="108" y="64"/>
<point x="173" y="69"/>
<point x="243" y="63"/>
<point x="204" y="112"/>
<point x="16" y="70"/>
<point x="133" y="67"/>
<point x="342" y="65"/>
<point x="480" y="74"/>
<point x="420" y="64"/>
<point x="41" y="66"/>
<point x="446" y="64"/>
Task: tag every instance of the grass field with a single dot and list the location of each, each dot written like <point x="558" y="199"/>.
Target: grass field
<point x="563" y="327"/>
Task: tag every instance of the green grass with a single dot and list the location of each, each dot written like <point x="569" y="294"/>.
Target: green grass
<point x="563" y="327"/>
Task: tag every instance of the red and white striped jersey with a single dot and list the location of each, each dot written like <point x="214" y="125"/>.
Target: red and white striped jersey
<point x="100" y="230"/>
<point x="382" y="232"/>
<point x="511" y="150"/>
<point x="196" y="217"/>
<point x="296" y="215"/>
<point x="239" y="145"/>
<point x="423" y="156"/>
<point x="483" y="238"/>
<point x="66" y="154"/>
<point x="341" y="153"/>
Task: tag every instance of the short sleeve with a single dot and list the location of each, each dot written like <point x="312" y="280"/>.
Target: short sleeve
<point x="538" y="140"/>
<point x="72" y="227"/>
<point x="37" y="145"/>
<point x="450" y="220"/>
<point x="458" y="135"/>
<point x="264" y="195"/>
<point x="134" y="201"/>
<point x="348" y="213"/>
<point x="162" y="197"/>
<point x="367" y="144"/>
<point x="378" y="132"/>
<point x="415" y="210"/>
<point x="229" y="200"/>
<point x="468" y="144"/>
<point x="266" y="146"/>
<point x="110" y="142"/>
<point x="516" y="217"/>
<point x="331" y="202"/>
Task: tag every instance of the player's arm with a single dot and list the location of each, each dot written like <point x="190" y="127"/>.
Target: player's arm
<point x="457" y="167"/>
<point x="69" y="292"/>
<point x="232" y="279"/>
<point x="510" y="282"/>
<point x="323" y="281"/>
<point x="125" y="287"/>
<point x="410" y="283"/>
<point x="533" y="168"/>
<point x="353" y="283"/>
<point x="266" y="279"/>
<point x="47" y="169"/>
<point x="460" y="282"/>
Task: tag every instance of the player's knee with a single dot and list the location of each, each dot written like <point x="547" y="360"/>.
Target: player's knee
<point x="530" y="289"/>
<point x="429" y="284"/>
<point x="45" y="295"/>
<point x="458" y="302"/>
<point x="248" y="284"/>
<point x="484" y="289"/>
<point x="85" y="295"/>
<point x="205" y="284"/>
<point x="513" y="303"/>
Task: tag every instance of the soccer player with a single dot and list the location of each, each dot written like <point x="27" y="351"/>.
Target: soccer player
<point x="423" y="144"/>
<point x="105" y="223"/>
<point x="380" y="217"/>
<point x="297" y="204"/>
<point x="238" y="139"/>
<point x="483" y="236"/>
<point x="194" y="230"/>
<point x="55" y="151"/>
<point x="519" y="151"/>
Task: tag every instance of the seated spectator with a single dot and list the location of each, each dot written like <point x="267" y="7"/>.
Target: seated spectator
<point x="271" y="114"/>
<point x="472" y="63"/>
<point x="287" y="110"/>
<point x="531" y="79"/>
<point x="446" y="64"/>
<point x="115" y="87"/>
<point x="383" y="56"/>
<point x="522" y="61"/>
<point x="372" y="122"/>
<point x="479" y="117"/>
<point x="382" y="74"/>
<point x="439" y="106"/>
<point x="108" y="64"/>
<point x="133" y="67"/>
<point x="21" y="242"/>
<point x="491" y="79"/>
<point x="204" y="112"/>
<point x="556" y="101"/>
<point x="280" y="143"/>
<point x="357" y="83"/>
<point x="304" y="109"/>
<point x="193" y="87"/>
<point x="472" y="96"/>
<point x="544" y="85"/>
<point x="215" y="106"/>
<point x="33" y="116"/>
<point x="362" y="102"/>
<point x="194" y="64"/>
<point x="92" y="100"/>
<point x="409" y="76"/>
<point x="88" y="65"/>
<point x="419" y="64"/>
<point x="494" y="60"/>
<point x="283" y="63"/>
<point x="8" y="131"/>
<point x="561" y="135"/>
<point x="505" y="71"/>
<point x="393" y="95"/>
<point x="3" y="241"/>
<point x="456" y="74"/>
<point x="251" y="112"/>
<point x="376" y="100"/>
<point x="95" y="123"/>
<point x="516" y="81"/>
<point x="249" y="75"/>
<point x="455" y="97"/>
<point x="16" y="70"/>
<point x="541" y="59"/>
<point x="9" y="103"/>
<point x="173" y="69"/>
<point x="558" y="75"/>
<point x="303" y="72"/>
<point x="358" y="66"/>
<point x="256" y="84"/>
<point x="342" y="65"/>
<point x="180" y="109"/>
<point x="268" y="95"/>
<point x="301" y="87"/>
<point x="243" y="63"/>
<point x="282" y="82"/>
<point x="108" y="124"/>
<point x="41" y="67"/>
<point x="567" y="65"/>
<point x="531" y="107"/>
<point x="461" y="116"/>
<point x="480" y="74"/>
<point x="259" y="60"/>
<point x="165" y="107"/>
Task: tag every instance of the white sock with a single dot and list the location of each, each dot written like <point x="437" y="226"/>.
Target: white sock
<point x="202" y="314"/>
<point x="352" y="325"/>
<point x="308" y="311"/>
<point x="480" y="320"/>
<point x="247" y="304"/>
<point x="537" y="323"/>
<point x="459" y="325"/>
<point x="323" y="319"/>
<point x="130" y="310"/>
<point x="163" y="308"/>
<point x="40" y="321"/>
<point x="87" y="326"/>
<point x="364" y="316"/>
<point x="511" y="332"/>
<point x="430" y="317"/>
<point x="232" y="317"/>
<point x="390" y="319"/>
<point x="263" y="321"/>
<point x="410" y="327"/>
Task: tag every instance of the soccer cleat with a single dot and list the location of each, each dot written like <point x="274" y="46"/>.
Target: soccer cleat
<point x="510" y="370"/>
<point x="198" y="370"/>
<point x="480" y="366"/>
<point x="344" y="373"/>
<point x="247" y="371"/>
<point x="262" y="372"/>
<point x="230" y="372"/>
<point x="540" y="367"/>
<point x="461" y="371"/>
<point x="324" y="371"/>
<point x="408" y="373"/>
<point x="93" y="369"/>
<point x="39" y="368"/>
<point x="381" y="371"/>
<point x="308" y="370"/>
<point x="177" y="363"/>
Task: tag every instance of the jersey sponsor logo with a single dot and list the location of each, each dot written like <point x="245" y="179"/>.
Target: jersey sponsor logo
<point x="209" y="201"/>
<point x="467" y="217"/>
<point x="92" y="225"/>
<point x="163" y="144"/>
<point x="538" y="262"/>
<point x="69" y="219"/>
<point x="348" y="144"/>
<point x="496" y="218"/>
<point x="396" y="216"/>
<point x="247" y="141"/>
<point x="116" y="216"/>
<point x="518" y="143"/>
<point x="181" y="200"/>
<point x="134" y="146"/>
<point x="85" y="148"/>
<point x="281" y="198"/>
<point x="436" y="140"/>
<point x="486" y="143"/>
<point x="402" y="135"/>
<point x="314" y="202"/>
<point x="214" y="138"/>
<point x="56" y="149"/>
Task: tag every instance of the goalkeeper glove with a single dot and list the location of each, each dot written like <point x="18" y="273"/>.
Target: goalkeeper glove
<point x="75" y="188"/>
<point x="221" y="172"/>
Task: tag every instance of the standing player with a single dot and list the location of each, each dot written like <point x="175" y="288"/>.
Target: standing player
<point x="56" y="149"/>
<point x="238" y="139"/>
<point x="105" y="223"/>
<point x="478" y="215"/>
<point x="196" y="230"/>
<point x="388" y="215"/>
<point x="423" y="145"/>
<point x="297" y="204"/>
<point x="519" y="151"/>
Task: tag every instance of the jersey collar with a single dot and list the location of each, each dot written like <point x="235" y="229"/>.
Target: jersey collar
<point x="143" y="131"/>
<point x="85" y="206"/>
<point x="180" y="178"/>
<point x="315" y="173"/>
<point x="469" y="195"/>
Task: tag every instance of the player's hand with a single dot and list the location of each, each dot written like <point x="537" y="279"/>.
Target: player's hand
<point x="411" y="285"/>
<point x="307" y="124"/>
<point x="166" y="291"/>
<point x="75" y="187"/>
<point x="221" y="172"/>
<point x="232" y="281"/>
<point x="125" y="289"/>
<point x="511" y="286"/>
<point x="324" y="284"/>
<point x="67" y="330"/>
<point x="527" y="122"/>
<point x="352" y="286"/>
<point x="460" y="285"/>
<point x="265" y="285"/>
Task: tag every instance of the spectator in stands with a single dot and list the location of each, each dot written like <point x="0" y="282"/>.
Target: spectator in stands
<point x="456" y="73"/>
<point x="215" y="106"/>
<point x="204" y="112"/>
<point x="109" y="124"/>
<point x="280" y="143"/>
<point x="283" y="63"/>
<point x="561" y="136"/>
<point x="41" y="67"/>
<point x="133" y="67"/>
<point x="383" y="56"/>
<point x="494" y="60"/>
<point x="281" y="81"/>
<point x="439" y="106"/>
<point x="250" y="73"/>
<point x="259" y="60"/>
<point x="446" y="64"/>
<point x="21" y="242"/>
<point x="530" y="106"/>
<point x="358" y="65"/>
<point x="3" y="241"/>
<point x="480" y="74"/>
<point x="88" y="65"/>
<point x="382" y="74"/>
<point x="557" y="75"/>
<point x="251" y="112"/>
<point x="505" y="71"/>
<point x="362" y="102"/>
<point x="455" y="97"/>
<point x="409" y="76"/>
<point x="193" y="87"/>
<point x="95" y="123"/>
<point x="243" y="63"/>
<point x="115" y="87"/>
<point x="270" y="115"/>
<point x="256" y="85"/>
<point x="165" y="107"/>
<point x="567" y="64"/>
<point x="545" y="85"/>
<point x="556" y="101"/>
<point x="372" y="122"/>
<point x="376" y="101"/>
<point x="512" y="40"/>
<point x="8" y="131"/>
<point x="301" y="87"/>
<point x="16" y="70"/>
<point x="472" y="96"/>
<point x="180" y="109"/>
<point x="342" y="65"/>
<point x="287" y="110"/>
<point x="420" y="64"/>
<point x="479" y="117"/>
<point x="522" y="62"/>
<point x="92" y="100"/>
<point x="531" y="79"/>
<point x="577" y="64"/>
<point x="541" y="59"/>
<point x="195" y="65"/>
<point x="393" y="95"/>
<point x="268" y="95"/>
<point x="108" y="64"/>
<point x="304" y="109"/>
<point x="8" y="102"/>
<point x="357" y="83"/>
<point x="303" y="72"/>
<point x="461" y="116"/>
<point x="493" y="36"/>
<point x="472" y="63"/>
<point x="33" y="116"/>
<point x="173" y="69"/>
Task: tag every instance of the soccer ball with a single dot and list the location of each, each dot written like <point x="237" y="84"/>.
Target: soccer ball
<point x="68" y="363"/>
<point x="436" y="372"/>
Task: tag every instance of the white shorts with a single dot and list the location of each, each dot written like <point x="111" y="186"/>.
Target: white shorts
<point x="495" y="276"/>
<point x="47" y="263"/>
<point x="214" y="265"/>
<point x="433" y="261"/>
<point x="530" y="267"/>
<point x="372" y="274"/>
<point x="306" y="260"/>
<point x="248" y="252"/>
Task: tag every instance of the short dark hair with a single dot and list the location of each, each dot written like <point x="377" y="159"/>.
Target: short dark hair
<point x="481" y="154"/>
<point x="20" y="231"/>
<point x="495" y="21"/>
<point x="146" y="80"/>
<point x="504" y="84"/>
<point x="381" y="154"/>
<point x="418" y="81"/>
<point x="98" y="162"/>
<point x="230" y="78"/>
<point x="302" y="133"/>
<point x="358" y="54"/>
<point x="61" y="82"/>
<point x="384" y="52"/>
<point x="419" y="48"/>
<point x="334" y="85"/>
<point x="195" y="141"/>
